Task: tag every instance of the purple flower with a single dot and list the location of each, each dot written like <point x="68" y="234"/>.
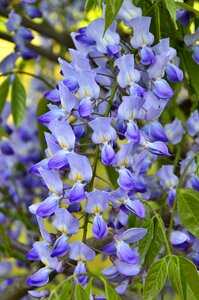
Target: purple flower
<point x="14" y="21"/>
<point x="60" y="248"/>
<point x="126" y="254"/>
<point x="133" y="132"/>
<point x="124" y="156"/>
<point x="192" y="124"/>
<point x="184" y="16"/>
<point x="95" y="31"/>
<point x="97" y="203"/>
<point x="179" y="239"/>
<point x="129" y="108"/>
<point x="33" y="12"/>
<point x="196" y="54"/>
<point x="81" y="269"/>
<point x="40" y="278"/>
<point x="68" y="100"/>
<point x="99" y="228"/>
<point x="174" y="131"/>
<point x="168" y="180"/>
<point x="8" y="63"/>
<point x="128" y="12"/>
<point x="157" y="69"/>
<point x="103" y="131"/>
<point x="147" y="56"/>
<point x="158" y="148"/>
<point x="81" y="252"/>
<point x="108" y="154"/>
<point x="39" y="294"/>
<point x="48" y="206"/>
<point x="174" y="74"/>
<point x="162" y="89"/>
<point x="155" y="132"/>
<point x="127" y="269"/>
<point x="141" y="35"/>
<point x="129" y="182"/>
<point x="163" y="48"/>
<point x="128" y="75"/>
<point x="63" y="133"/>
<point x="52" y="181"/>
<point x="65" y="222"/>
<point x="80" y="168"/>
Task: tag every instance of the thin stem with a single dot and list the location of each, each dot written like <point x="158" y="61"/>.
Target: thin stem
<point x="162" y="295"/>
<point x="63" y="38"/>
<point x="6" y="241"/>
<point x="15" y="255"/>
<point x="29" y="74"/>
<point x="113" y="92"/>
<point x="158" y="217"/>
<point x="102" y="74"/>
<point x="177" y="194"/>
<point x="39" y="50"/>
<point x="90" y="187"/>
<point x="107" y="182"/>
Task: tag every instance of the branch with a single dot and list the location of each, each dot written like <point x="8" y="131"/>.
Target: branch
<point x="45" y="29"/>
<point x="19" y="288"/>
<point x="40" y="50"/>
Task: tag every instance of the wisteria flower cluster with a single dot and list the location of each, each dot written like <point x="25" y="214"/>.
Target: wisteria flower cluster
<point x="112" y="95"/>
<point x="21" y="35"/>
<point x="18" y="151"/>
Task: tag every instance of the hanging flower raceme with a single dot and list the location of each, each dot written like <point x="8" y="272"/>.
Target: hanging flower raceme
<point x="108" y="103"/>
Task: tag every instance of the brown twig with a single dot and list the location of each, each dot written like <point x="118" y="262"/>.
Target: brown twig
<point x="47" y="30"/>
<point x="40" y="50"/>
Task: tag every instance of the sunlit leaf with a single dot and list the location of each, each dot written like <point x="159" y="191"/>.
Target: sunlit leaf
<point x="171" y="7"/>
<point x="4" y="89"/>
<point x="184" y="278"/>
<point x="81" y="293"/>
<point x="188" y="208"/>
<point x="157" y="243"/>
<point x="155" y="279"/>
<point x="174" y="276"/>
<point x="112" y="8"/>
<point x="18" y="101"/>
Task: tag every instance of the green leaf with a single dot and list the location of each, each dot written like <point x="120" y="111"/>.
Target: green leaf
<point x="62" y="291"/>
<point x="188" y="208"/>
<point x="81" y="293"/>
<point x="171" y="7"/>
<point x="187" y="7"/>
<point x="189" y="278"/>
<point x="18" y="101"/>
<point x="111" y="294"/>
<point x="42" y="109"/>
<point x="184" y="278"/>
<point x="155" y="279"/>
<point x="112" y="175"/>
<point x="3" y="133"/>
<point x="192" y="70"/>
<point x="112" y="8"/>
<point x="197" y="166"/>
<point x="66" y="288"/>
<point x="145" y="243"/>
<point x="90" y="4"/>
<point x="4" y="89"/>
<point x="156" y="245"/>
<point x="157" y="23"/>
<point x="89" y="286"/>
<point x="174" y="276"/>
